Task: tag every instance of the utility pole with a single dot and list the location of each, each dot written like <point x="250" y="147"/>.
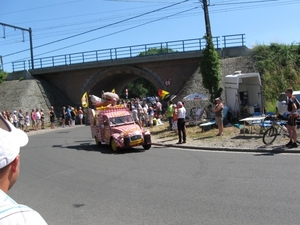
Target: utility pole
<point x="206" y="17"/>
<point x="30" y="39"/>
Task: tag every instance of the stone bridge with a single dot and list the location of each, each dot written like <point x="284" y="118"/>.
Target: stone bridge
<point x="107" y="69"/>
<point x="169" y="72"/>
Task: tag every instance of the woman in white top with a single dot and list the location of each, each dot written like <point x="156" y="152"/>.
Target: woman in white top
<point x="181" y="112"/>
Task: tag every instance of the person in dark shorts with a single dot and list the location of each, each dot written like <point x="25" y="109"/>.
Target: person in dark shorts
<point x="292" y="116"/>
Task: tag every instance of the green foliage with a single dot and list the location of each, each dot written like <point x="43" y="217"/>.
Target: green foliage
<point x="210" y="70"/>
<point x="279" y="66"/>
<point x="140" y="88"/>
<point x="3" y="76"/>
<point x="157" y="51"/>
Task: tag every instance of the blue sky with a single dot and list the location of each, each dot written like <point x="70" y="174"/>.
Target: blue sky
<point x="262" y="22"/>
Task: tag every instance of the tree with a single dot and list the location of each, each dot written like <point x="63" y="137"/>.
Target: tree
<point x="3" y="76"/>
<point x="157" y="51"/>
<point x="279" y="67"/>
<point x="210" y="70"/>
<point x="140" y="88"/>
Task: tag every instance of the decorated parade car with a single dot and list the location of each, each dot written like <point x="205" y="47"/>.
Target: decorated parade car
<point x="116" y="127"/>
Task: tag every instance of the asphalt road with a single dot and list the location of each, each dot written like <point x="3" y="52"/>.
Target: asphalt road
<point x="70" y="180"/>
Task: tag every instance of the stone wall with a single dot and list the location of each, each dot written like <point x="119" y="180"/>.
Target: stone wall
<point x="21" y="94"/>
<point x="228" y="66"/>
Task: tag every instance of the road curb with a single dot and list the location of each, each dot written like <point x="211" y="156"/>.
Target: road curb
<point x="257" y="150"/>
<point x="183" y="146"/>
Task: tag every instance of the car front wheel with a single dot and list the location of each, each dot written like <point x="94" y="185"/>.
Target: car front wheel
<point x="146" y="147"/>
<point x="113" y="145"/>
<point x="97" y="141"/>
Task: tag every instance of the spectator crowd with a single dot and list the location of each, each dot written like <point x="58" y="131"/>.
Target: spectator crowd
<point x="36" y="119"/>
<point x="146" y="113"/>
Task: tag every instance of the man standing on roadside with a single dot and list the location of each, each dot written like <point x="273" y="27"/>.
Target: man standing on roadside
<point x="218" y="110"/>
<point x="292" y="116"/>
<point x="11" y="139"/>
<point x="181" y="113"/>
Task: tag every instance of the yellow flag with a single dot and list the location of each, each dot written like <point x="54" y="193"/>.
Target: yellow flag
<point x="162" y="93"/>
<point x="84" y="100"/>
<point x="113" y="91"/>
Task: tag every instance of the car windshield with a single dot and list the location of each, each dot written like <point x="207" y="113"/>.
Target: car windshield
<point x="120" y="120"/>
<point x="298" y="97"/>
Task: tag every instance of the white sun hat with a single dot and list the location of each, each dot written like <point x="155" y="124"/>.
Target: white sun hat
<point x="11" y="139"/>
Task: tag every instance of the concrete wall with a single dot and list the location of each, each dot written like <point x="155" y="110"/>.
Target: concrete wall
<point x="21" y="75"/>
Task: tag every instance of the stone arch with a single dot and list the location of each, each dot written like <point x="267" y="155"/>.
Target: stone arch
<point x="117" y="78"/>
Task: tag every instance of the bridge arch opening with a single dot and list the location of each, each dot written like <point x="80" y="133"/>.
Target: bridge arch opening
<point x="118" y="79"/>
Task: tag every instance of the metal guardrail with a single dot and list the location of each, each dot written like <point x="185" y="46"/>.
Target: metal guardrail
<point x="171" y="47"/>
<point x="233" y="40"/>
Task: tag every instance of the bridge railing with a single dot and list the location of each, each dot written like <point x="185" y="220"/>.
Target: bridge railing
<point x="233" y="40"/>
<point x="171" y="47"/>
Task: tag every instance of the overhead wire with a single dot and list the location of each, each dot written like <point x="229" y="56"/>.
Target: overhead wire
<point x="214" y="9"/>
<point x="45" y="6"/>
<point x="40" y="30"/>
<point x="130" y="28"/>
<point x="40" y="33"/>
<point x="98" y="28"/>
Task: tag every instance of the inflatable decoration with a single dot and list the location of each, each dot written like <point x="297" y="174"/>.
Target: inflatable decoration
<point x="106" y="99"/>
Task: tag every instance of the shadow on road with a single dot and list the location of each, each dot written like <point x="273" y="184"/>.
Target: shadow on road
<point x="104" y="149"/>
<point x="276" y="150"/>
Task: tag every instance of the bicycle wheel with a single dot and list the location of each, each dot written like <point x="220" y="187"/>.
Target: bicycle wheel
<point x="270" y="135"/>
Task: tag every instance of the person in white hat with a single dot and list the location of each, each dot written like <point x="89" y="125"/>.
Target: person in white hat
<point x="11" y="139"/>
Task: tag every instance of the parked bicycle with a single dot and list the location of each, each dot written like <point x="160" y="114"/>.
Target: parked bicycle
<point x="277" y="129"/>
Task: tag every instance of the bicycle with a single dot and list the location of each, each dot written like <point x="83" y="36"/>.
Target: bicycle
<point x="277" y="128"/>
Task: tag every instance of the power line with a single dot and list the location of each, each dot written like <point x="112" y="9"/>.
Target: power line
<point x="91" y="21"/>
<point x="46" y="6"/>
<point x="248" y="2"/>
<point x="117" y="31"/>
<point x="216" y="8"/>
<point x="89" y="31"/>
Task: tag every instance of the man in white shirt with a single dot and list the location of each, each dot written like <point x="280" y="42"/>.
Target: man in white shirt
<point x="181" y="113"/>
<point x="135" y="115"/>
<point x="12" y="213"/>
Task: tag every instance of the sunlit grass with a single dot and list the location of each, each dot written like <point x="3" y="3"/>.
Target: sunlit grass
<point x="193" y="132"/>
